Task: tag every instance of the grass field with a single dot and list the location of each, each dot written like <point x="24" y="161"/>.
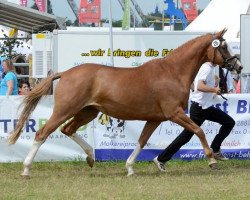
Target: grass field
<point x="107" y="180"/>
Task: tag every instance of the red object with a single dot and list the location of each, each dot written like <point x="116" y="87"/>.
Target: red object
<point x="23" y="3"/>
<point x="41" y="4"/>
<point x="90" y="11"/>
<point x="190" y="9"/>
<point x="238" y="88"/>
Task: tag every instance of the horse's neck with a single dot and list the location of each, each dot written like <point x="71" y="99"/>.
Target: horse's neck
<point x="188" y="59"/>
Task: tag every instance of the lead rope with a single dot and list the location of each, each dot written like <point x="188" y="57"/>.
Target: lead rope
<point x="221" y="94"/>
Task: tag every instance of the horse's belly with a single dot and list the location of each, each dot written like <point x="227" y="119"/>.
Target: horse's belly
<point x="127" y="112"/>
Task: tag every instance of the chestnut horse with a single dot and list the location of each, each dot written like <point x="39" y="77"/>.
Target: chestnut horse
<point x="155" y="91"/>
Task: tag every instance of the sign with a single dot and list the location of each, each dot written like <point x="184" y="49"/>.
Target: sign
<point x="114" y="139"/>
<point x="130" y="48"/>
<point x="90" y="11"/>
<point x="23" y="3"/>
<point x="41" y="4"/>
<point x="189" y="8"/>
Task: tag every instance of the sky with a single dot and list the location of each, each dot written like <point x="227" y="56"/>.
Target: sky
<point x="62" y="9"/>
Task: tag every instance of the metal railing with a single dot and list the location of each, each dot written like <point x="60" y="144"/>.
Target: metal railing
<point x="22" y="65"/>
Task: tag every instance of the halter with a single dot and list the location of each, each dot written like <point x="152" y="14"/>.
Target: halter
<point x="216" y="44"/>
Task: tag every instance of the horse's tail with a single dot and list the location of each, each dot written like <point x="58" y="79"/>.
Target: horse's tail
<point x="30" y="102"/>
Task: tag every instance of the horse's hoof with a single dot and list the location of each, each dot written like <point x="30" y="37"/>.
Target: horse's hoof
<point x="130" y="169"/>
<point x="25" y="176"/>
<point x="130" y="174"/>
<point x="90" y="161"/>
<point x="214" y="166"/>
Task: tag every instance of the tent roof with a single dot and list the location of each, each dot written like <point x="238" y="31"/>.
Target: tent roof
<point x="221" y="14"/>
<point x="27" y="19"/>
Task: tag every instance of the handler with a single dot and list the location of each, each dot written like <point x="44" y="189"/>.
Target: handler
<point x="201" y="109"/>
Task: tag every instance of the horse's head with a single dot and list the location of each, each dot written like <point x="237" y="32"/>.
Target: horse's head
<point x="218" y="53"/>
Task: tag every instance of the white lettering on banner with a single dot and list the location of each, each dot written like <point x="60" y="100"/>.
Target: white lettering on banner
<point x="60" y="147"/>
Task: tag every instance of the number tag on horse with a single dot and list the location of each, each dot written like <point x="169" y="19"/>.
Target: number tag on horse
<point x="216" y="43"/>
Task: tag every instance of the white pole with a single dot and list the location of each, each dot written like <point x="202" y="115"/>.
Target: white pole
<point x="111" y="34"/>
<point x="46" y="6"/>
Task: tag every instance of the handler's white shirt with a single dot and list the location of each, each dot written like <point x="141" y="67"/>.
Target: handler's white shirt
<point x="206" y="74"/>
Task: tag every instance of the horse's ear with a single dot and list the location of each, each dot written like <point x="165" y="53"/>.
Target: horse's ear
<point x="222" y="32"/>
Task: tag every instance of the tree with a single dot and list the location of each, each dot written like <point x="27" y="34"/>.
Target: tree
<point x="8" y="45"/>
<point x="69" y="22"/>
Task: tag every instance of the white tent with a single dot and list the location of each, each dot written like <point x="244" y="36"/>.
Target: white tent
<point x="221" y="14"/>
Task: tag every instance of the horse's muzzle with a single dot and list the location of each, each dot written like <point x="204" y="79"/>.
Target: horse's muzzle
<point x="233" y="64"/>
<point x="239" y="69"/>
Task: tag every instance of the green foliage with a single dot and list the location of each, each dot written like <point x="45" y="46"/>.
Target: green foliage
<point x="117" y="23"/>
<point x="8" y="45"/>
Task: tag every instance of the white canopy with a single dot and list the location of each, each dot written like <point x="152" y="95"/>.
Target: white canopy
<point x="221" y="14"/>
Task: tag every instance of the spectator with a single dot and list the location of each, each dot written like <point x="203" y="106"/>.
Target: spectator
<point x="2" y="58"/>
<point x="9" y="80"/>
<point x="23" y="87"/>
<point x="236" y="80"/>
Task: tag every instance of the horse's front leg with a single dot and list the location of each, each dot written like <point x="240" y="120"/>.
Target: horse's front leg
<point x="183" y="120"/>
<point x="145" y="135"/>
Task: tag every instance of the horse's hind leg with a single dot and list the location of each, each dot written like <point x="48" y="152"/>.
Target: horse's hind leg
<point x="183" y="120"/>
<point x="145" y="135"/>
<point x="81" y="118"/>
<point x="41" y="135"/>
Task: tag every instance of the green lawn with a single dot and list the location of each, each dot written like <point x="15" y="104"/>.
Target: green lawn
<point x="108" y="180"/>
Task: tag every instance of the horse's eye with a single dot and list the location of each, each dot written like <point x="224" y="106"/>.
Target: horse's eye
<point x="224" y="45"/>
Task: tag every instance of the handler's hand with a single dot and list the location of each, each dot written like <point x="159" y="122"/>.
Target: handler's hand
<point x="218" y="90"/>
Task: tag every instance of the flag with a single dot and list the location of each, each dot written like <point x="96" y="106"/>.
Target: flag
<point x="126" y="16"/>
<point x="190" y="9"/>
<point x="90" y="11"/>
<point x="41" y="4"/>
<point x="14" y="31"/>
<point x="23" y="3"/>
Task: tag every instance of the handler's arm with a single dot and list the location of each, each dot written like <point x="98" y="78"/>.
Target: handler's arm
<point x="203" y="87"/>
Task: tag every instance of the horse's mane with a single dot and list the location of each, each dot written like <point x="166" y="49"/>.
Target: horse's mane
<point x="180" y="48"/>
<point x="188" y="44"/>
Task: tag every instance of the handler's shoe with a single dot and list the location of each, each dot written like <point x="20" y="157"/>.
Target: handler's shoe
<point x="160" y="165"/>
<point x="220" y="156"/>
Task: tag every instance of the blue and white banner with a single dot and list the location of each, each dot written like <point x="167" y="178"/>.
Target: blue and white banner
<point x="114" y="139"/>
